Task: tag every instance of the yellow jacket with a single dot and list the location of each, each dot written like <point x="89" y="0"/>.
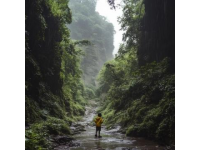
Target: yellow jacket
<point x="98" y="121"/>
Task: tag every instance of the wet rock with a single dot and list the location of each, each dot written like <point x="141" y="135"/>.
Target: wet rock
<point x="126" y="149"/>
<point x="73" y="144"/>
<point x="72" y="128"/>
<point x="77" y="128"/>
<point x="55" y="145"/>
<point x="76" y="132"/>
<point x="62" y="139"/>
<point x="63" y="143"/>
<point x="122" y="130"/>
<point x="172" y="147"/>
<point x="62" y="147"/>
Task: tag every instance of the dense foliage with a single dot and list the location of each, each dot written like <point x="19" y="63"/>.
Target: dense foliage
<point x="54" y="90"/>
<point x="137" y="88"/>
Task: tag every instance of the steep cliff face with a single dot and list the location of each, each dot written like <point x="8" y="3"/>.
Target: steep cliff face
<point x="53" y="78"/>
<point x="87" y="24"/>
<point x="158" y="32"/>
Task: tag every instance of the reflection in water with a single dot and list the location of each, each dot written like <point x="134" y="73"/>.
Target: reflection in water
<point x="111" y="140"/>
<point x="98" y="144"/>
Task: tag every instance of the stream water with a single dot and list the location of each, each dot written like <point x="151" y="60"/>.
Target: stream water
<point x="111" y="139"/>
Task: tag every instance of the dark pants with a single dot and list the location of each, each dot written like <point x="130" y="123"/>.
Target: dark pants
<point x="98" y="129"/>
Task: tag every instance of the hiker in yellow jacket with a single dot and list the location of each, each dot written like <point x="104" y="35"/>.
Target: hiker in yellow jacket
<point x="98" y="122"/>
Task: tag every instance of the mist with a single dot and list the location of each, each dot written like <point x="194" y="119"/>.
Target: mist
<point x="104" y="9"/>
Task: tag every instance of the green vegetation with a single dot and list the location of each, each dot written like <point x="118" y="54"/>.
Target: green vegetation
<point x="137" y="88"/>
<point x="55" y="95"/>
<point x="87" y="24"/>
<point x="38" y="136"/>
